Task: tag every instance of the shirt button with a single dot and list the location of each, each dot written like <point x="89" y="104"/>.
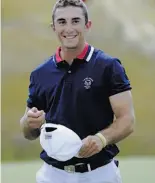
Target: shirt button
<point x="69" y="71"/>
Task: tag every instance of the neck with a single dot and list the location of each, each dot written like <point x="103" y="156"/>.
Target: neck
<point x="69" y="54"/>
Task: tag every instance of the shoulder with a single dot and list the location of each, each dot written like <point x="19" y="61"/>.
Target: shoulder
<point x="45" y="67"/>
<point x="105" y="58"/>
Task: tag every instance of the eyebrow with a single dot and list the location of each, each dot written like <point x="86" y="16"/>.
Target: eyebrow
<point x="76" y="18"/>
<point x="62" y="19"/>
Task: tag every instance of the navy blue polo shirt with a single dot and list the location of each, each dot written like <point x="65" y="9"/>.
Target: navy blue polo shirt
<point x="77" y="95"/>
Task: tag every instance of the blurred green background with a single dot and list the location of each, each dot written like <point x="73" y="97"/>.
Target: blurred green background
<point x="125" y="29"/>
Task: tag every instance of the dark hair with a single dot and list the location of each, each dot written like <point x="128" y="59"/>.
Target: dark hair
<point x="75" y="3"/>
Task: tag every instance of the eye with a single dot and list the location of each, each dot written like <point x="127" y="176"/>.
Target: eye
<point x="61" y="22"/>
<point x="76" y="21"/>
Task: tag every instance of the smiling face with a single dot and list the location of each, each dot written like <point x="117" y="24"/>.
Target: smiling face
<point x="70" y="26"/>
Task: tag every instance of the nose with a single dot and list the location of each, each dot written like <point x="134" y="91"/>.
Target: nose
<point x="69" y="28"/>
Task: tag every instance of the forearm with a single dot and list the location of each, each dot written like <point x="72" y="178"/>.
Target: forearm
<point x="119" y="129"/>
<point x="30" y="134"/>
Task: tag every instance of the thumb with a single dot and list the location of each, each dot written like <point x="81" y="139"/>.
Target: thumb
<point x="34" y="109"/>
<point x="40" y="112"/>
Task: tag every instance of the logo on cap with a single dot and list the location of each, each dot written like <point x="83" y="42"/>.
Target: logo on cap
<point x="48" y="136"/>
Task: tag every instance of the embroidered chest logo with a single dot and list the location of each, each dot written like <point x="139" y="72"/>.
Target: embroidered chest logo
<point x="88" y="82"/>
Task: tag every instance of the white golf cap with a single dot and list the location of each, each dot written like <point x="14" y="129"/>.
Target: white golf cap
<point x="59" y="142"/>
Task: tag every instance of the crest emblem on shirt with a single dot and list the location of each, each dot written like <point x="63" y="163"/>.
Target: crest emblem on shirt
<point x="88" y="82"/>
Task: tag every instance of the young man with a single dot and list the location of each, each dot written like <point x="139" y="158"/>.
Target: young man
<point x="83" y="89"/>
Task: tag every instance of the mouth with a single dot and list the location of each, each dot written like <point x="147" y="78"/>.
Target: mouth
<point x="70" y="37"/>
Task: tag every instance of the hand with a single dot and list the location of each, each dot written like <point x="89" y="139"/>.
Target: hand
<point x="35" y="118"/>
<point x="91" y="145"/>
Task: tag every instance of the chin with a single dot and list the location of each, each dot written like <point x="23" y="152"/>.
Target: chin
<point x="71" y="46"/>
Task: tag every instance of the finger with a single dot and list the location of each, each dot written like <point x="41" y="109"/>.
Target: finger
<point x="96" y="148"/>
<point x="40" y="113"/>
<point x="34" y="124"/>
<point x="91" y="154"/>
<point x="32" y="114"/>
<point x="40" y="118"/>
<point x="34" y="109"/>
<point x="91" y="149"/>
<point x="34" y="120"/>
<point x="85" y="147"/>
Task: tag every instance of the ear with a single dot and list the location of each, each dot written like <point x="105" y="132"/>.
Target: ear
<point x="52" y="26"/>
<point x="88" y="25"/>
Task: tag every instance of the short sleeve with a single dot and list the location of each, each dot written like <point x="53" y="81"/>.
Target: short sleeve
<point x="117" y="78"/>
<point x="32" y="96"/>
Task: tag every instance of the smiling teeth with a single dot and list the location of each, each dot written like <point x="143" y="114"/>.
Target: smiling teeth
<point x="70" y="37"/>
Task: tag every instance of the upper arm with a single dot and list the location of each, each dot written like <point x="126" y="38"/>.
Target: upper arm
<point x="36" y="96"/>
<point x="122" y="104"/>
<point x="119" y="90"/>
<point x="116" y="78"/>
<point x="32" y="95"/>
